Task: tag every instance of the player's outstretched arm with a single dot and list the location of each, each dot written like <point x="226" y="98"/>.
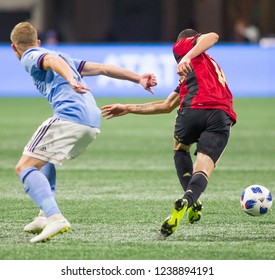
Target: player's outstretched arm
<point x="204" y="42"/>
<point x="61" y="67"/>
<point x="147" y="80"/>
<point x="155" y="107"/>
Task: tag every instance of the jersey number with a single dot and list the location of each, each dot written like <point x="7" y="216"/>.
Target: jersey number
<point x="220" y="73"/>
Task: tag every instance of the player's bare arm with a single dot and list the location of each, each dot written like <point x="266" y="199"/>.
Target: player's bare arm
<point x="204" y="42"/>
<point x="61" y="67"/>
<point x="155" y="107"/>
<point x="93" y="69"/>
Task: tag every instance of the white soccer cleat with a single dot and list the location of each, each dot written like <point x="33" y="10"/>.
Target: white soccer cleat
<point x="37" y="225"/>
<point x="56" y="224"/>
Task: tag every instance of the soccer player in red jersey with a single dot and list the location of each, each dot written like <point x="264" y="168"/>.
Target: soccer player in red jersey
<point x="205" y="117"/>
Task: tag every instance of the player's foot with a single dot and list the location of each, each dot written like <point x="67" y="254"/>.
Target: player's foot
<point x="194" y="212"/>
<point x="56" y="224"/>
<point x="172" y="222"/>
<point x="37" y="225"/>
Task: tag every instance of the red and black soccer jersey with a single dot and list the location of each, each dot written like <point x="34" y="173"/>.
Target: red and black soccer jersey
<point x="205" y="87"/>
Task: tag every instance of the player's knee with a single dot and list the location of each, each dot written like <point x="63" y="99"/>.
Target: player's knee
<point x="181" y="147"/>
<point x="18" y="169"/>
<point x="20" y="166"/>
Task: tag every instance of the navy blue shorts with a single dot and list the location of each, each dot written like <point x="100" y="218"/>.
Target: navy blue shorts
<point x="210" y="129"/>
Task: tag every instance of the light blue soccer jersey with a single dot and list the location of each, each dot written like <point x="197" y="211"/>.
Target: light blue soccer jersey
<point x="66" y="103"/>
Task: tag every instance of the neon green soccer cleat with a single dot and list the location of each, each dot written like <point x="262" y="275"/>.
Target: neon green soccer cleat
<point x="170" y="225"/>
<point x="194" y="213"/>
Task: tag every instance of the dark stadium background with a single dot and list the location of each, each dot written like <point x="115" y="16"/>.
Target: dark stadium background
<point x="135" y="20"/>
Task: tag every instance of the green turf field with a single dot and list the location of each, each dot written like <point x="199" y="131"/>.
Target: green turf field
<point x="118" y="193"/>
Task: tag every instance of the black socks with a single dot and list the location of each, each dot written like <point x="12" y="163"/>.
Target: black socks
<point x="184" y="167"/>
<point x="196" y="186"/>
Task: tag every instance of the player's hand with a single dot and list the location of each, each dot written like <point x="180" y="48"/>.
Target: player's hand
<point x="184" y="67"/>
<point x="78" y="87"/>
<point x="114" y="110"/>
<point x="147" y="81"/>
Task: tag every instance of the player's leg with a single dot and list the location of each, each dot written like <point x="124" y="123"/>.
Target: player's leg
<point x="184" y="167"/>
<point x="210" y="147"/>
<point x="37" y="186"/>
<point x="50" y="172"/>
<point x="62" y="140"/>
<point x="190" y="202"/>
<point x="183" y="163"/>
<point x="39" y="223"/>
<point x="32" y="168"/>
<point x="203" y="168"/>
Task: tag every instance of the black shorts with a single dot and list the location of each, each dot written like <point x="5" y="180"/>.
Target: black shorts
<point x="210" y="129"/>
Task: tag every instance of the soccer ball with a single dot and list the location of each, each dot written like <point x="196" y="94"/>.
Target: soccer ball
<point x="256" y="200"/>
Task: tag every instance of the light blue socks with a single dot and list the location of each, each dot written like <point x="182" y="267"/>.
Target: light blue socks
<point x="49" y="171"/>
<point x="38" y="187"/>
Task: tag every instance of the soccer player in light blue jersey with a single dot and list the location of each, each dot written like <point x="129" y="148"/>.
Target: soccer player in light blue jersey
<point x="74" y="125"/>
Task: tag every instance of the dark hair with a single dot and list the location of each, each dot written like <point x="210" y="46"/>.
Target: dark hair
<point x="186" y="33"/>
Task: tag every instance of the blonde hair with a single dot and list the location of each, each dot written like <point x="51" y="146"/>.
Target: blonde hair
<point x="24" y="35"/>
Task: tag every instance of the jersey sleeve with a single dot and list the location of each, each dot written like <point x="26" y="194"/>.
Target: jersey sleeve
<point x="79" y="64"/>
<point x="33" y="61"/>
<point x="177" y="89"/>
